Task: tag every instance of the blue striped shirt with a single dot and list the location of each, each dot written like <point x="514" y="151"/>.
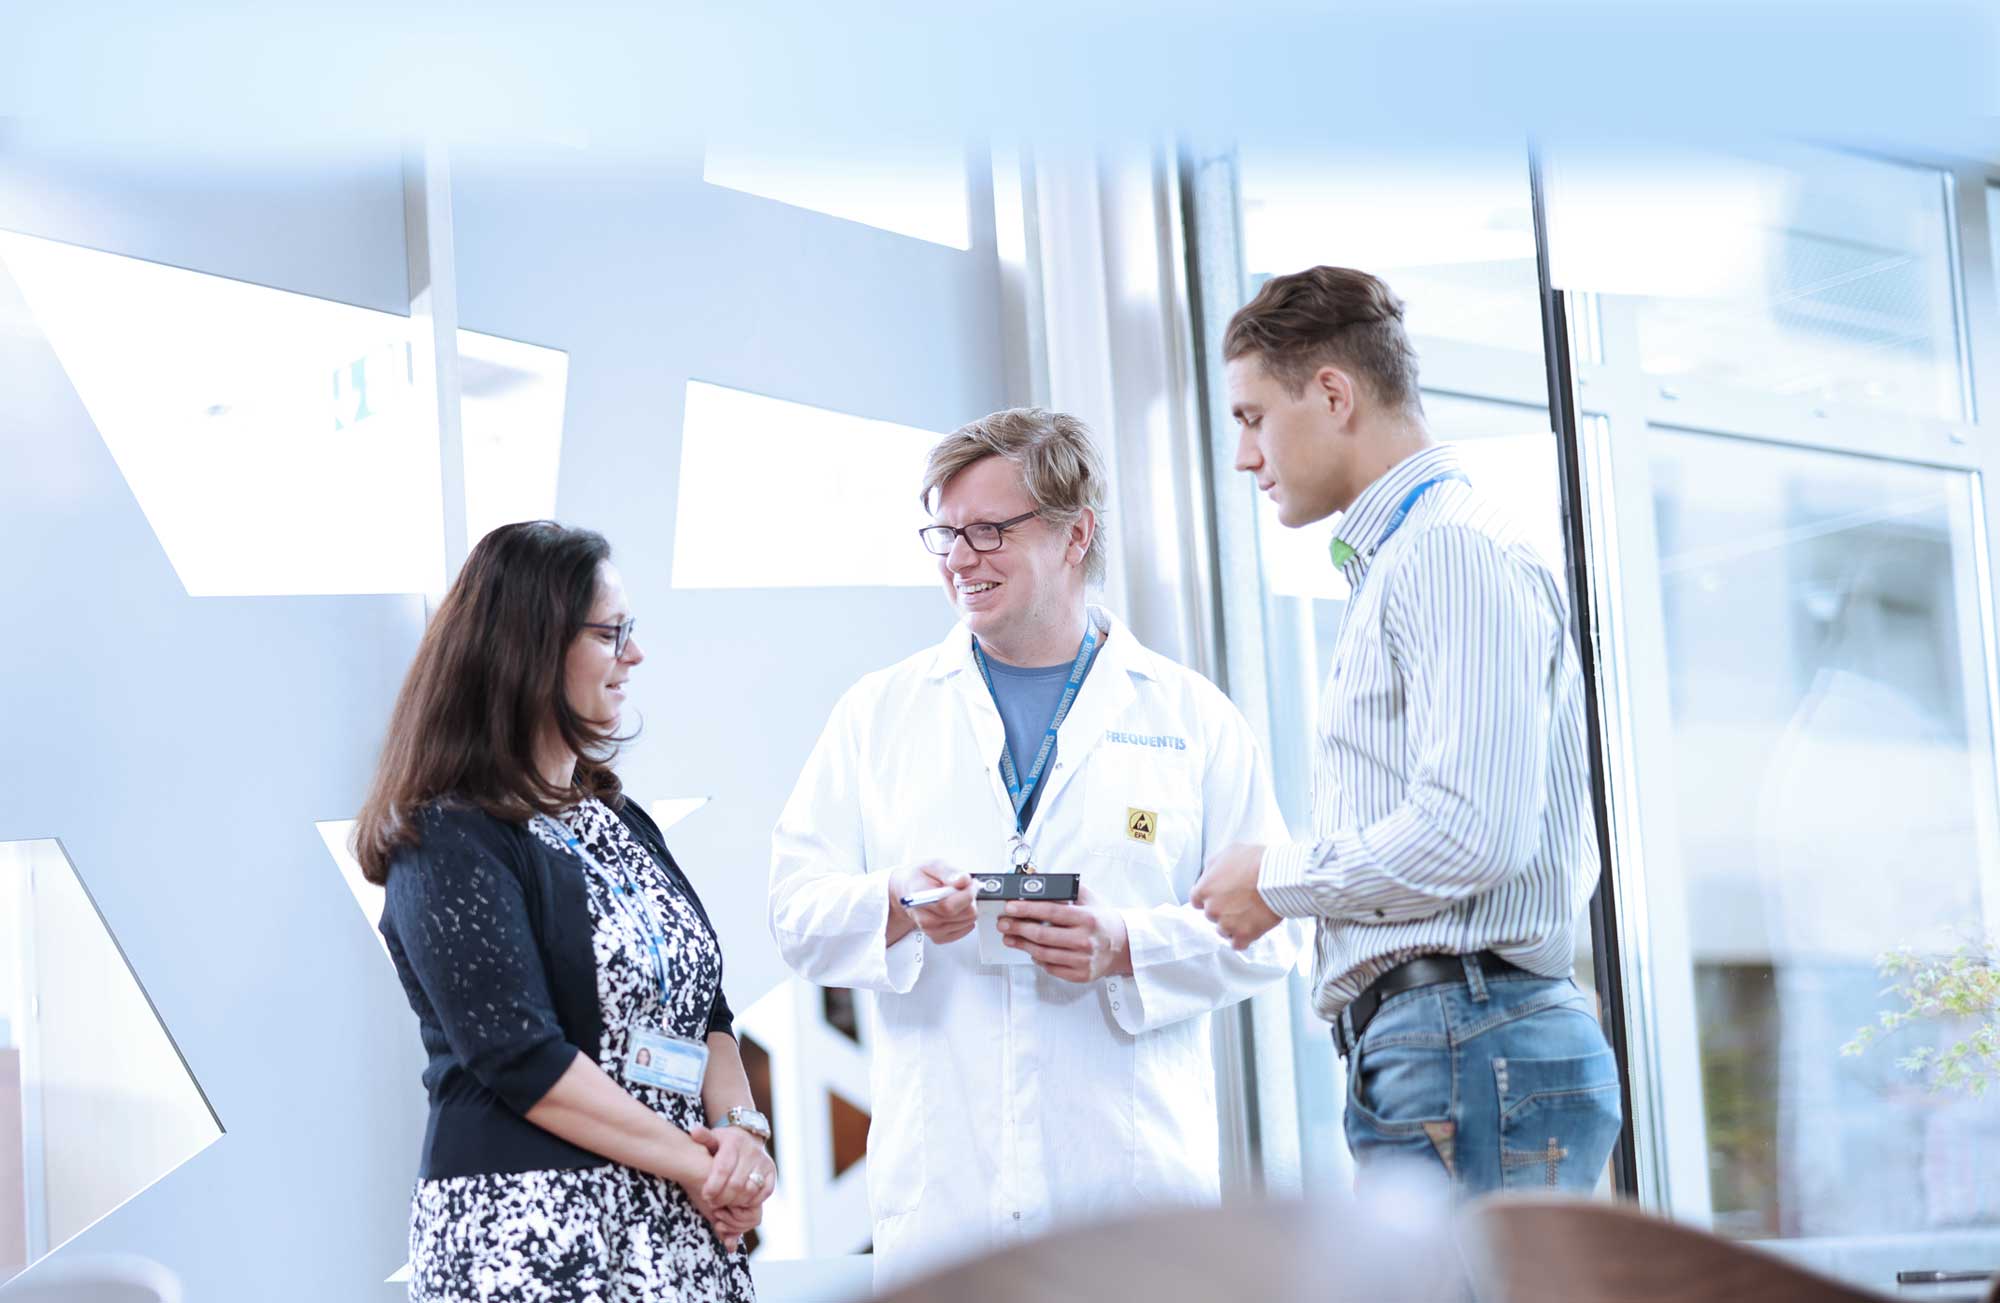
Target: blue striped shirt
<point x="1451" y="782"/>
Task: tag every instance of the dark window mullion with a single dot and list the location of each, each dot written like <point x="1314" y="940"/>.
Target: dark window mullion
<point x="1604" y="952"/>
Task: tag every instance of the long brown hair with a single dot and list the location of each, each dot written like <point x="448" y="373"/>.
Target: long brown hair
<point x="487" y="678"/>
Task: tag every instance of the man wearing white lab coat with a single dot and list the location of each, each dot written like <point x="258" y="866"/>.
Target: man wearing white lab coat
<point x="1012" y="1100"/>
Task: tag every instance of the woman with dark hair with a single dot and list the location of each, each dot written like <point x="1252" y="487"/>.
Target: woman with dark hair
<point x="591" y="1130"/>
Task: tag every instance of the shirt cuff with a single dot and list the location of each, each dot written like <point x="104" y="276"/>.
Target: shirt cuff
<point x="1122" y="997"/>
<point x="1281" y="880"/>
<point x="1127" y="1007"/>
<point x="904" y="961"/>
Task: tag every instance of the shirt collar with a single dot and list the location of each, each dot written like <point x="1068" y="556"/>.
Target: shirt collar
<point x="1121" y="649"/>
<point x="1358" y="532"/>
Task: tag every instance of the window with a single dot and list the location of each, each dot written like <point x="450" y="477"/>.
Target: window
<point x="1788" y="524"/>
<point x="1455" y="240"/>
<point x="1457" y="245"/>
<point x="1836" y="800"/>
<point x="1792" y="534"/>
<point x="1805" y="275"/>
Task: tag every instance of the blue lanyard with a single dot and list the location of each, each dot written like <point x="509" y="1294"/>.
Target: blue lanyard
<point x="1402" y="513"/>
<point x="1020" y="789"/>
<point x="628" y="899"/>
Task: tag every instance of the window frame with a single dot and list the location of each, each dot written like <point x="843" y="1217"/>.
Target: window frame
<point x="1595" y="389"/>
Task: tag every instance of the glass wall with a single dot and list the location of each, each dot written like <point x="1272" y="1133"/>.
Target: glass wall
<point x="1454" y="235"/>
<point x="1787" y="519"/>
<point x="1775" y="271"/>
<point x="1836" y="801"/>
<point x="1796" y="580"/>
<point x="1455" y="239"/>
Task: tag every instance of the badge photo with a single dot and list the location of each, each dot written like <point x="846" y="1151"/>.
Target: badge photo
<point x="668" y="1062"/>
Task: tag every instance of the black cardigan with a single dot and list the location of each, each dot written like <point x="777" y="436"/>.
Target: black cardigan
<point x="490" y="931"/>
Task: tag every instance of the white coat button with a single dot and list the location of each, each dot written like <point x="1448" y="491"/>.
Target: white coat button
<point x="1017" y="1217"/>
<point x="1116" y="1005"/>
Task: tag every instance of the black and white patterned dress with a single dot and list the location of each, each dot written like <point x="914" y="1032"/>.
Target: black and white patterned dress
<point x="609" y="1234"/>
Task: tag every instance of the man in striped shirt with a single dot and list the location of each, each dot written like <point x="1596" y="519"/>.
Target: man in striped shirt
<point x="1453" y="851"/>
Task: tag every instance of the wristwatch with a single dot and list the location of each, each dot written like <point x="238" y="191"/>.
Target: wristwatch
<point x="749" y="1119"/>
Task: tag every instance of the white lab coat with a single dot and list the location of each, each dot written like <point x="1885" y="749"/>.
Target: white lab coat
<point x="1008" y="1103"/>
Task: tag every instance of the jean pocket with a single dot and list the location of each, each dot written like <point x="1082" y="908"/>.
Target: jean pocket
<point x="1559" y="1119"/>
<point x="1400" y="1079"/>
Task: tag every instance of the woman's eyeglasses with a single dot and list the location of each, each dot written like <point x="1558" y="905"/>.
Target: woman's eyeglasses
<point x="620" y="634"/>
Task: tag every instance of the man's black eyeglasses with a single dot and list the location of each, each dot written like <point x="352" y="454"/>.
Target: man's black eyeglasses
<point x="982" y="535"/>
<point x="620" y="633"/>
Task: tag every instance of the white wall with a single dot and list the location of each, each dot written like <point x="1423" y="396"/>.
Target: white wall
<point x="648" y="277"/>
<point x="181" y="749"/>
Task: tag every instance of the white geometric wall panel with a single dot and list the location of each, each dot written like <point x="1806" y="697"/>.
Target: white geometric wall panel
<point x="96" y="1102"/>
<point x="278" y="443"/>
<point x="835" y="501"/>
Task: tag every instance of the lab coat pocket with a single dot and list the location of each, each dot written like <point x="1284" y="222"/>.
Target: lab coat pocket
<point x="1142" y="828"/>
<point x="896" y="1143"/>
<point x="1125" y="879"/>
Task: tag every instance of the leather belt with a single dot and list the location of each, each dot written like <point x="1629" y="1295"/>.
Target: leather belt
<point x="1424" y="970"/>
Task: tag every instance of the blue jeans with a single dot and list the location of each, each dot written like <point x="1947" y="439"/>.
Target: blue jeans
<point x="1506" y="1080"/>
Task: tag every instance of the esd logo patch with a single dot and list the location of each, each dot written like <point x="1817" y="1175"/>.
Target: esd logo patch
<point x="1140" y="824"/>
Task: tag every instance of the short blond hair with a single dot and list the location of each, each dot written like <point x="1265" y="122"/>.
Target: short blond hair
<point x="1056" y="456"/>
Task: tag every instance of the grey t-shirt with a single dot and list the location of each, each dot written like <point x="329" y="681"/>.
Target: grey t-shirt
<point x="1027" y="700"/>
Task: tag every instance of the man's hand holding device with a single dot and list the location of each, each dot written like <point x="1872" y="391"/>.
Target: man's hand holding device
<point x="1078" y="942"/>
<point x="934" y="899"/>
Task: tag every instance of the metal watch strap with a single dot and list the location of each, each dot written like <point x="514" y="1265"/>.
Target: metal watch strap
<point x="748" y="1119"/>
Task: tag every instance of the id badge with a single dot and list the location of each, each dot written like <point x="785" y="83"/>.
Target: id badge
<point x="996" y="889"/>
<point x="993" y="947"/>
<point x="992" y="905"/>
<point x="668" y="1062"/>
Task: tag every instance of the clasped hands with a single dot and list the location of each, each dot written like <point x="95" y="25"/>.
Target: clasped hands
<point x="1227" y="894"/>
<point x="740" y="1177"/>
<point x="1077" y="943"/>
